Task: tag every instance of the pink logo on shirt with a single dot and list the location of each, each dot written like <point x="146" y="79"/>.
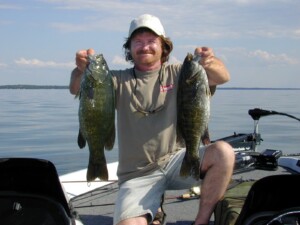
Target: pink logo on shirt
<point x="166" y="88"/>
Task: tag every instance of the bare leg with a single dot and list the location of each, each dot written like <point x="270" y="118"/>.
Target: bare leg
<point x="142" y="220"/>
<point x="217" y="165"/>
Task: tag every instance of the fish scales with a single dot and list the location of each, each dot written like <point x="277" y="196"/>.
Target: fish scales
<point x="193" y="111"/>
<point x="96" y="115"/>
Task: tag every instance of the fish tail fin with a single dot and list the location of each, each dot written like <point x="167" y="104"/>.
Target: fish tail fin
<point x="179" y="139"/>
<point x="186" y="165"/>
<point x="109" y="144"/>
<point x="97" y="170"/>
<point x="81" y="140"/>
<point x="185" y="169"/>
<point x="196" y="169"/>
<point x="190" y="167"/>
<point x="205" y="138"/>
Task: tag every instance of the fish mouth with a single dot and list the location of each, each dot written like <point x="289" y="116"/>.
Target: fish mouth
<point x="197" y="58"/>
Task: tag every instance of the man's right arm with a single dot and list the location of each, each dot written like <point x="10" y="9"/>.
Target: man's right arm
<point x="75" y="79"/>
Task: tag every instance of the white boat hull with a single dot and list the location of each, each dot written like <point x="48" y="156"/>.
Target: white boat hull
<point x="75" y="183"/>
<point x="292" y="163"/>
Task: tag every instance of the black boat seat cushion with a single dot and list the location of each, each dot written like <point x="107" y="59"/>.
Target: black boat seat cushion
<point x="24" y="209"/>
<point x="270" y="195"/>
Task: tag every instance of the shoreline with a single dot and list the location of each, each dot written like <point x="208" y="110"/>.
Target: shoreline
<point x="30" y="87"/>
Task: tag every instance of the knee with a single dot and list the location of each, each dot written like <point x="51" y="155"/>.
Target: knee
<point x="222" y="147"/>
<point x="224" y="151"/>
<point x="220" y="153"/>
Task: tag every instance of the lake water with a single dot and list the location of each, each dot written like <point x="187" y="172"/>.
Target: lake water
<point x="43" y="123"/>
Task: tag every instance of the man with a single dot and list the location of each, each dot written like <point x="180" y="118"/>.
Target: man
<point x="149" y="159"/>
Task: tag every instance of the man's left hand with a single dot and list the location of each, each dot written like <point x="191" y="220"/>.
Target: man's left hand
<point x="207" y="56"/>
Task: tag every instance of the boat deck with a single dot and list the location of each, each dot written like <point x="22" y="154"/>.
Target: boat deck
<point x="97" y="206"/>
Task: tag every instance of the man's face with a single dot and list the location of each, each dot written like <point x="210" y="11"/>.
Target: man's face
<point x="146" y="49"/>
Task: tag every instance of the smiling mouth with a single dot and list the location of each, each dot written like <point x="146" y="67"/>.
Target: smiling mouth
<point x="145" y="53"/>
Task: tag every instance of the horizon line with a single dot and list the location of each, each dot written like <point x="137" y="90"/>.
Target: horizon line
<point x="34" y="86"/>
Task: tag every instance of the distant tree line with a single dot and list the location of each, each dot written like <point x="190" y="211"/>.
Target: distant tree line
<point x="25" y="86"/>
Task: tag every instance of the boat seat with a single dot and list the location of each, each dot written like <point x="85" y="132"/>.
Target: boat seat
<point x="31" y="193"/>
<point x="269" y="196"/>
<point x="29" y="209"/>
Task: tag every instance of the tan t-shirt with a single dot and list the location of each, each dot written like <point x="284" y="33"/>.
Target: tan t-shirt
<point x="147" y="118"/>
<point x="146" y="104"/>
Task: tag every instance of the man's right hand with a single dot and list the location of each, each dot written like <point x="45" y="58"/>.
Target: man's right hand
<point x="81" y="58"/>
<point x="81" y="62"/>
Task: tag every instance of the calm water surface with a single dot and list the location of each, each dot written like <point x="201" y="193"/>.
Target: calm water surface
<point x="44" y="123"/>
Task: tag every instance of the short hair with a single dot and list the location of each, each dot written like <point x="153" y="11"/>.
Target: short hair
<point x="167" y="45"/>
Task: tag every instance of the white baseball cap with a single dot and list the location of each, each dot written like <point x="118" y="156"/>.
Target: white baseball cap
<point x="147" y="21"/>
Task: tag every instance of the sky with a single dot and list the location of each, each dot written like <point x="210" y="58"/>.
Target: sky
<point x="258" y="40"/>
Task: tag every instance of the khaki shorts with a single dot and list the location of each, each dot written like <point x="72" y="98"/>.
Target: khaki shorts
<point x="142" y="195"/>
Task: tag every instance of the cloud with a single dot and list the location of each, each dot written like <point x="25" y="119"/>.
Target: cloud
<point x="106" y="15"/>
<point x="242" y="56"/>
<point x="113" y="6"/>
<point x="5" y="22"/>
<point x="43" y="64"/>
<point x="111" y="24"/>
<point x="210" y="19"/>
<point x="6" y="6"/>
<point x="119" y="60"/>
<point x="174" y="60"/>
<point x="273" y="58"/>
<point x="2" y="65"/>
<point x="296" y="33"/>
<point x="69" y="27"/>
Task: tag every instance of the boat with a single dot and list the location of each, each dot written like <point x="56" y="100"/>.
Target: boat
<point x="92" y="203"/>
